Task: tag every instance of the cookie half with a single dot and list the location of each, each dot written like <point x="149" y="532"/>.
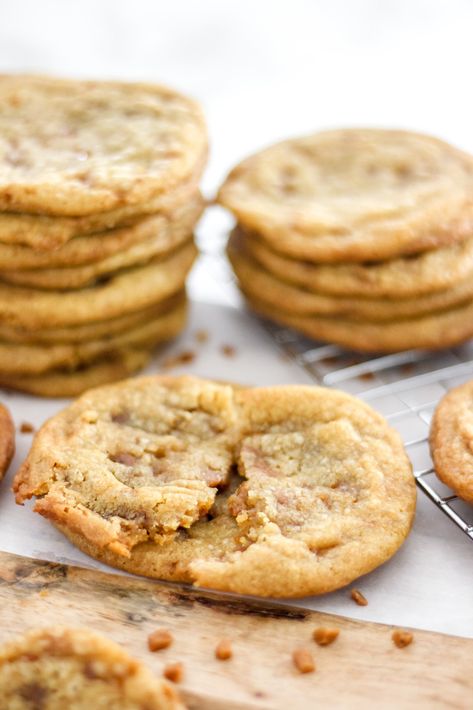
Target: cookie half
<point x="7" y="440"/>
<point x="354" y="195"/>
<point x="451" y="440"/>
<point x="60" y="667"/>
<point x="275" y="491"/>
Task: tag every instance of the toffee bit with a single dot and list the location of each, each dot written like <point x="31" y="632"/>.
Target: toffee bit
<point x="183" y="358"/>
<point x="325" y="636"/>
<point x="303" y="660"/>
<point x="174" y="672"/>
<point x="223" y="650"/>
<point x="26" y="428"/>
<point x="159" y="639"/>
<point x="201" y="336"/>
<point x="358" y="597"/>
<point x="401" y="638"/>
<point x="228" y="350"/>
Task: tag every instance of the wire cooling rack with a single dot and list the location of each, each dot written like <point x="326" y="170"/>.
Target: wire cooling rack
<point x="405" y="387"/>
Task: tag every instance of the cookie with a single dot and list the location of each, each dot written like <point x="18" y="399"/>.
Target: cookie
<point x="44" y="233"/>
<point x="430" y="332"/>
<point x="74" y="277"/>
<point x="404" y="277"/>
<point x="75" y="668"/>
<point x="76" y="148"/>
<point x="31" y="359"/>
<point x="167" y="233"/>
<point x="123" y="293"/>
<point x="92" y="331"/>
<point x="70" y="383"/>
<point x="354" y="195"/>
<point x="323" y="491"/>
<point x="451" y="440"/>
<point x="294" y="300"/>
<point x="7" y="440"/>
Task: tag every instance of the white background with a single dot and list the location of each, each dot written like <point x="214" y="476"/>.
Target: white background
<point x="264" y="70"/>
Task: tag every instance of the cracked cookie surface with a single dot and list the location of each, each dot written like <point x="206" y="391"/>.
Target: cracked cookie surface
<point x="61" y="667"/>
<point x="451" y="440"/>
<point x="309" y="488"/>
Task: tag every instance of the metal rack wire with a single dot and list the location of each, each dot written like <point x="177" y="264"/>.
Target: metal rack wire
<point x="405" y="387"/>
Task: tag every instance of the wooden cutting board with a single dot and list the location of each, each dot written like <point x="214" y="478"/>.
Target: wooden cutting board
<point x="362" y="669"/>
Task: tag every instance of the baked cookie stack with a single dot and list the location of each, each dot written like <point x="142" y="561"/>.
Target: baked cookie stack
<point x="358" y="237"/>
<point x="98" y="202"/>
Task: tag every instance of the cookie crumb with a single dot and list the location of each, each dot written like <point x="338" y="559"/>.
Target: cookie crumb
<point x="183" y="358"/>
<point x="174" y="672"/>
<point x="159" y="639"/>
<point x="223" y="650"/>
<point x="26" y="428"/>
<point x="43" y="593"/>
<point x="366" y="376"/>
<point x="401" y="638"/>
<point x="303" y="660"/>
<point x="228" y="350"/>
<point x="201" y="336"/>
<point x="358" y="597"/>
<point x="325" y="636"/>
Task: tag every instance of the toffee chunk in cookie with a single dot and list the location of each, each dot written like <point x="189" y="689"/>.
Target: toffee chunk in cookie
<point x="59" y="668"/>
<point x="275" y="491"/>
<point x="451" y="440"/>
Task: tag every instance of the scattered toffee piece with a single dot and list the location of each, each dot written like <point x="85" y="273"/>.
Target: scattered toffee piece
<point x="26" y="428"/>
<point x="325" y="636"/>
<point x="159" y="639"/>
<point x="366" y="376"/>
<point x="201" y="336"/>
<point x="183" y="358"/>
<point x="358" y="597"/>
<point x="174" y="672"/>
<point x="401" y="638"/>
<point x="228" y="350"/>
<point x="223" y="650"/>
<point x="303" y="660"/>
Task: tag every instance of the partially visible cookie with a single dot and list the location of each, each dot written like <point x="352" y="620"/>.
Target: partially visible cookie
<point x="451" y="440"/>
<point x="275" y="491"/>
<point x="401" y="278"/>
<point x="59" y="667"/>
<point x="122" y="293"/>
<point x="295" y="300"/>
<point x="45" y="234"/>
<point x="94" y="330"/>
<point x="7" y="440"/>
<point x="36" y="359"/>
<point x="167" y="231"/>
<point x="70" y="383"/>
<point x="354" y="195"/>
<point x="432" y="332"/>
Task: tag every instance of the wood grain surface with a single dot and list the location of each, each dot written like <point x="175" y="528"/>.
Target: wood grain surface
<point x="362" y="669"/>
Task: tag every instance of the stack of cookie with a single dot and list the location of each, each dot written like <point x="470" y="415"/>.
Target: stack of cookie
<point x="98" y="202"/>
<point x="358" y="237"/>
